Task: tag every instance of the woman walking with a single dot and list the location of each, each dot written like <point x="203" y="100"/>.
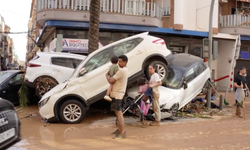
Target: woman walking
<point x="154" y="82"/>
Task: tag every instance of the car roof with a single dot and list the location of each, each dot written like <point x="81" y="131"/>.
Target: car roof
<point x="183" y="61"/>
<point x="66" y="55"/>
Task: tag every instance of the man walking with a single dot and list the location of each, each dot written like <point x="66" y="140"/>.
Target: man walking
<point x="119" y="81"/>
<point x="240" y="82"/>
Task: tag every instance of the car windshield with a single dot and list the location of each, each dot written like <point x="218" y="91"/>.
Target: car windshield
<point x="4" y="75"/>
<point x="173" y="78"/>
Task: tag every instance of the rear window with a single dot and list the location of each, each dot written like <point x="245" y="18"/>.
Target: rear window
<point x="66" y="62"/>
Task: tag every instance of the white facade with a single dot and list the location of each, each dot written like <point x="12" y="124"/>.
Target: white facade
<point x="194" y="14"/>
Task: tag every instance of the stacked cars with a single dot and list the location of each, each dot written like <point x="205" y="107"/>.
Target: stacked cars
<point x="66" y="96"/>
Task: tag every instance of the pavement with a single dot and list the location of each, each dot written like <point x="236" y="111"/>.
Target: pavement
<point x="218" y="132"/>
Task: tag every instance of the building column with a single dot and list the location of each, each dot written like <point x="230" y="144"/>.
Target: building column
<point x="59" y="42"/>
<point x="178" y="14"/>
<point x="216" y="17"/>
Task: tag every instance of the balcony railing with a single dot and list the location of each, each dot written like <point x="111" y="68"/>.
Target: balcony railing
<point x="127" y="7"/>
<point x="235" y="21"/>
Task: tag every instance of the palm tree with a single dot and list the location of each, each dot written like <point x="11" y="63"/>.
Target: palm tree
<point x="93" y="34"/>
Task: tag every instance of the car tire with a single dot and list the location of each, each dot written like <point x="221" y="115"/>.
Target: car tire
<point x="76" y="108"/>
<point x="44" y="84"/>
<point x="162" y="69"/>
<point x="6" y="105"/>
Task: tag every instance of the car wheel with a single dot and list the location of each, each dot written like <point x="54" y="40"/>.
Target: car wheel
<point x="161" y="69"/>
<point x="174" y="109"/>
<point x="43" y="85"/>
<point x="6" y="105"/>
<point x="72" y="111"/>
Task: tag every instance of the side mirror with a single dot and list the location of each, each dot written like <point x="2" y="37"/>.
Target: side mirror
<point x="82" y="71"/>
<point x="185" y="85"/>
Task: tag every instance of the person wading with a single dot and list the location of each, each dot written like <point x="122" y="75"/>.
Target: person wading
<point x="154" y="82"/>
<point x="240" y="82"/>
<point x="119" y="81"/>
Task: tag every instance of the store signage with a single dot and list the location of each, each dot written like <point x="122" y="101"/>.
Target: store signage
<point x="76" y="45"/>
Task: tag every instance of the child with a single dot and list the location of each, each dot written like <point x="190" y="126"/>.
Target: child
<point x="112" y="71"/>
<point x="144" y="88"/>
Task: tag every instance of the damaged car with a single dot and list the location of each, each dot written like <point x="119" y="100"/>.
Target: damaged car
<point x="48" y="69"/>
<point x="187" y="76"/>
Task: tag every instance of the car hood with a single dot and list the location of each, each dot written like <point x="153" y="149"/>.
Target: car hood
<point x="55" y="90"/>
<point x="166" y="94"/>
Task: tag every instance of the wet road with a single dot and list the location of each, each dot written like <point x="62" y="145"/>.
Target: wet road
<point x="94" y="133"/>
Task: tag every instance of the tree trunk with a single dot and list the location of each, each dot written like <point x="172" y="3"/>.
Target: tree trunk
<point x="93" y="33"/>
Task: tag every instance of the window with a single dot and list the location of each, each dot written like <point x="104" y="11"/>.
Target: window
<point x="66" y="62"/>
<point x="17" y="78"/>
<point x="190" y="75"/>
<point x="174" y="76"/>
<point x="199" y="69"/>
<point x="125" y="47"/>
<point x="97" y="60"/>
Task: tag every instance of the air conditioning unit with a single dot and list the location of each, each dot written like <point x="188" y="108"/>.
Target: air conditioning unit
<point x="224" y="1"/>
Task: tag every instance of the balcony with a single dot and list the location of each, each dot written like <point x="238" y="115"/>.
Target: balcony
<point x="112" y="11"/>
<point x="235" y="24"/>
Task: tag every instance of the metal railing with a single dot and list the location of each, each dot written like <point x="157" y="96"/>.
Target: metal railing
<point x="235" y="21"/>
<point x="127" y="7"/>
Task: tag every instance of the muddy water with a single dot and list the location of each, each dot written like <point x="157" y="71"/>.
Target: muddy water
<point x="94" y="133"/>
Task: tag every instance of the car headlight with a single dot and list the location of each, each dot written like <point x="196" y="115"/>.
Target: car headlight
<point x="43" y="102"/>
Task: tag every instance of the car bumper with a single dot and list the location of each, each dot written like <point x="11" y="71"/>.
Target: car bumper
<point x="47" y="114"/>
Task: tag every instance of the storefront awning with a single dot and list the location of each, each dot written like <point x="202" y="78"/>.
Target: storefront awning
<point x="244" y="1"/>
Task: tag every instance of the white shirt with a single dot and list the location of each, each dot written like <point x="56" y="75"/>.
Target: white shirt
<point x="154" y="79"/>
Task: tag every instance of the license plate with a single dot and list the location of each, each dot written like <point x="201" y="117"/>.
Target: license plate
<point x="7" y="135"/>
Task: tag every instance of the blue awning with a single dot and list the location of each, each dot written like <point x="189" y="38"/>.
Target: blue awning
<point x="244" y="38"/>
<point x="124" y="27"/>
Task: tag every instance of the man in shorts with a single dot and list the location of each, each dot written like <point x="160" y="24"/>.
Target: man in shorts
<point x="119" y="81"/>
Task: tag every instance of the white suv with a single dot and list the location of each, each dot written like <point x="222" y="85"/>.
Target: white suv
<point x="48" y="69"/>
<point x="69" y="101"/>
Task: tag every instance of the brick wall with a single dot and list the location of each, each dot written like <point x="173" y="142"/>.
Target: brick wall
<point x="168" y="21"/>
<point x="227" y="7"/>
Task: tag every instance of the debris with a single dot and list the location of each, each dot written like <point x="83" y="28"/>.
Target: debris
<point x="30" y="115"/>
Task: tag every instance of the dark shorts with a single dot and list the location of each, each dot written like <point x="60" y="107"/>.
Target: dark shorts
<point x="116" y="105"/>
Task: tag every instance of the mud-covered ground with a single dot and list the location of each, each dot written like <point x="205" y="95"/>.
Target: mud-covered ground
<point x="227" y="132"/>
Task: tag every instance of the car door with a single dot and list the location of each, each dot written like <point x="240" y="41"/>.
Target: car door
<point x="134" y="51"/>
<point x="94" y="82"/>
<point x="12" y="87"/>
<point x="191" y="83"/>
<point x="62" y="68"/>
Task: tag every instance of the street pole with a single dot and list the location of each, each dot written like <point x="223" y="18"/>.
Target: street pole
<point x="210" y="38"/>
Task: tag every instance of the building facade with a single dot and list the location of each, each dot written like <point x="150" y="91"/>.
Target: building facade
<point x="31" y="47"/>
<point x="182" y="24"/>
<point x="6" y="45"/>
<point x="235" y="19"/>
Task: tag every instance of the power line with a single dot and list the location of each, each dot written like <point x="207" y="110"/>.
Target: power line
<point x="14" y="12"/>
<point x="23" y="32"/>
